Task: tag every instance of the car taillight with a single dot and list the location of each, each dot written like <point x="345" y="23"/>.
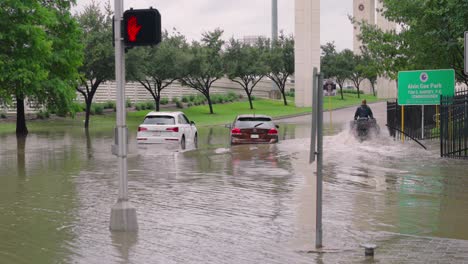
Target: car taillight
<point x="272" y="132"/>
<point x="173" y="129"/>
<point x="236" y="131"/>
<point x="142" y="129"/>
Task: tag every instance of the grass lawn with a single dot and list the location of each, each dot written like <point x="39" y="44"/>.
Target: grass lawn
<point x="224" y="113"/>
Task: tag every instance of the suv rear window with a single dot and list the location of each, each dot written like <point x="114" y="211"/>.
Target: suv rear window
<point x="159" y="120"/>
<point x="260" y="122"/>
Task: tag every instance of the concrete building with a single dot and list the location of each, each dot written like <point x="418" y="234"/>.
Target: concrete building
<point x="307" y="48"/>
<point x="371" y="12"/>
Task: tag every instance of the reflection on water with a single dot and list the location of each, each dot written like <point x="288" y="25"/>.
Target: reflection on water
<point x="217" y="204"/>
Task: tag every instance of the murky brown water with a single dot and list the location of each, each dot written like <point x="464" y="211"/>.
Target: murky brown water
<point x="246" y="204"/>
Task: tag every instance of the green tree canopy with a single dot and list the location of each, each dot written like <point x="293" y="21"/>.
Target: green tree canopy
<point x="158" y="67"/>
<point x="99" y="56"/>
<point x="280" y="61"/>
<point x="39" y="54"/>
<point x="245" y="64"/>
<point x="430" y="36"/>
<point x="205" y="65"/>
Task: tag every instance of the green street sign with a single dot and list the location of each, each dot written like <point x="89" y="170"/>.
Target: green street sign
<point x="425" y="87"/>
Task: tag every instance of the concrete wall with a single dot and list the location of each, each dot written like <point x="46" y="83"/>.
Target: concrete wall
<point x="307" y="48"/>
<point x="135" y="92"/>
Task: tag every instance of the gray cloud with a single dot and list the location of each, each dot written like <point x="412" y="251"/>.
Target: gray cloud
<point x="243" y="17"/>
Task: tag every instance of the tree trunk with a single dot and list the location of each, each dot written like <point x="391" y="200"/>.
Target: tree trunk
<point x="88" y="112"/>
<point x="21" y="129"/>
<point x="358" y="92"/>
<point x="20" y="155"/>
<point x="373" y="88"/>
<point x="158" y="101"/>
<point x="209" y="103"/>
<point x="250" y="100"/>
<point x="341" y="92"/>
<point x="284" y="97"/>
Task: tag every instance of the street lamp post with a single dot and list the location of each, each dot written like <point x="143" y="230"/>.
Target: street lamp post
<point x="274" y="31"/>
<point x="123" y="215"/>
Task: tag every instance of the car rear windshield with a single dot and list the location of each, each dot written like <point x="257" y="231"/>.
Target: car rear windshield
<point x="250" y="122"/>
<point x="159" y="120"/>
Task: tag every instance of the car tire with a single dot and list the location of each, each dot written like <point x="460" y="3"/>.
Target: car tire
<point x="195" y="141"/>
<point x="182" y="143"/>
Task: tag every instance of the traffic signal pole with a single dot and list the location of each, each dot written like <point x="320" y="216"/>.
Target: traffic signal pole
<point x="123" y="215"/>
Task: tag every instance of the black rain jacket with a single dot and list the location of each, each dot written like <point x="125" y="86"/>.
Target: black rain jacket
<point x="363" y="111"/>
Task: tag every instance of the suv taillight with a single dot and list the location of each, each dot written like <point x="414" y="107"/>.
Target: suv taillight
<point x="272" y="132"/>
<point x="173" y="129"/>
<point x="236" y="131"/>
<point x="142" y="129"/>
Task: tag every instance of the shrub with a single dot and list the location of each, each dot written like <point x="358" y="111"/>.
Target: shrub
<point x="192" y="98"/>
<point x="231" y="97"/>
<point x="253" y="98"/>
<point x="109" y="105"/>
<point x="97" y="109"/>
<point x="43" y="114"/>
<point x="128" y="102"/>
<point x="351" y="91"/>
<point x="290" y="93"/>
<point x="150" y="105"/>
<point x="179" y="104"/>
<point x="140" y="106"/>
<point x="175" y="100"/>
<point x="185" y="99"/>
<point x="3" y="115"/>
<point x="164" y="101"/>
<point x="189" y="104"/>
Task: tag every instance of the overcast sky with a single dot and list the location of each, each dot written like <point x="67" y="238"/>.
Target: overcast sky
<point x="240" y="18"/>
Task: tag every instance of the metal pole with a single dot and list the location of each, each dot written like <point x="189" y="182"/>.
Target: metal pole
<point x="120" y="104"/>
<point x="274" y="32"/>
<point x="422" y="123"/>
<point x="274" y="21"/>
<point x="402" y="123"/>
<point x="123" y="215"/>
<point x="313" y="132"/>
<point x="318" y="227"/>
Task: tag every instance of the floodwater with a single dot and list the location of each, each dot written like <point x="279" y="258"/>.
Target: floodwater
<point x="217" y="204"/>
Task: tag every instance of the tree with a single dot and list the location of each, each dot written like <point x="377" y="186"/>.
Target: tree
<point x="158" y="67"/>
<point x="430" y="36"/>
<point x="281" y="62"/>
<point x="205" y="65"/>
<point x="357" y="75"/>
<point x="245" y="65"/>
<point x="99" y="60"/>
<point x="59" y="88"/>
<point x="344" y="65"/>
<point x="39" y="54"/>
<point x="370" y="69"/>
<point x="328" y="65"/>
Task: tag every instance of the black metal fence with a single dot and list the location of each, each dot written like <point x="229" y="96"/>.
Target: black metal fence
<point x="454" y="125"/>
<point x="413" y="121"/>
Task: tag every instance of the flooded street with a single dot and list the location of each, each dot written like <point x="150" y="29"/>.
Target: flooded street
<point x="217" y="204"/>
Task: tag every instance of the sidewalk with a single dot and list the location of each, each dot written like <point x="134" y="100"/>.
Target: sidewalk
<point x="396" y="248"/>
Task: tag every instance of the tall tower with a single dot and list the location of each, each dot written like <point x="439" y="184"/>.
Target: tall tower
<point x="363" y="10"/>
<point x="370" y="11"/>
<point x="307" y="48"/>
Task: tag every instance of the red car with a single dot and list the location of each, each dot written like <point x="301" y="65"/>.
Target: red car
<point x="253" y="129"/>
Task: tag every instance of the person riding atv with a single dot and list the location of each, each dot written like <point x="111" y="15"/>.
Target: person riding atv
<point x="363" y="111"/>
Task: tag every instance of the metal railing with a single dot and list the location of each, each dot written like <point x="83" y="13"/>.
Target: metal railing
<point x="454" y="125"/>
<point x="413" y="116"/>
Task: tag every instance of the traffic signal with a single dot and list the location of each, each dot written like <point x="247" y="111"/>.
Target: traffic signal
<point x="142" y="27"/>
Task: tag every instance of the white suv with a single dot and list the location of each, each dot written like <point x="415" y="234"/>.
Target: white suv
<point x="167" y="127"/>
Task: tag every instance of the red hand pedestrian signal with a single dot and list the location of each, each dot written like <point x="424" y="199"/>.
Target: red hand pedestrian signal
<point x="133" y="28"/>
<point x="142" y="27"/>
